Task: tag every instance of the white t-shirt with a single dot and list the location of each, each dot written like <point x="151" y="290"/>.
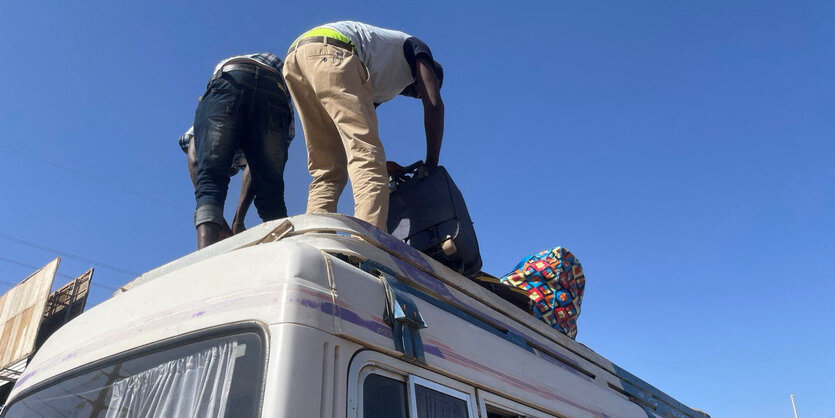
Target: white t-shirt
<point x="389" y="55"/>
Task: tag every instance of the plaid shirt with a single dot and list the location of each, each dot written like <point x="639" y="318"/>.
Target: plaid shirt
<point x="265" y="59"/>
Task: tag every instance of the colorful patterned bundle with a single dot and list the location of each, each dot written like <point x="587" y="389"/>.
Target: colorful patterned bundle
<point x="554" y="281"/>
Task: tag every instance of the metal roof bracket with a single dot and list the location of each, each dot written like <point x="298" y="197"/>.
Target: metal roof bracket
<point x="278" y="233"/>
<point x="401" y="314"/>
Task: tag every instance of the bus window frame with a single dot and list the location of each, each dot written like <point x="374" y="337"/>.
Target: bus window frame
<point x="374" y="370"/>
<point x="419" y="381"/>
<point x="366" y="362"/>
<point x="489" y="399"/>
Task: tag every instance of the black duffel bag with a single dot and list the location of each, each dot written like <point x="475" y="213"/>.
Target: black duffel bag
<point x="427" y="211"/>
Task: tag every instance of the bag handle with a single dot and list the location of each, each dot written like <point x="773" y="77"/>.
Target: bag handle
<point x="412" y="172"/>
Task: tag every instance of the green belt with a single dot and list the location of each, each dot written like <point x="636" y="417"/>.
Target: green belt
<point x="326" y="32"/>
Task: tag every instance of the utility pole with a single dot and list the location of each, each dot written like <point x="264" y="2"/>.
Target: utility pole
<point x="794" y="406"/>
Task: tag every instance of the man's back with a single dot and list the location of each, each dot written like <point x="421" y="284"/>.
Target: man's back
<point x="387" y="54"/>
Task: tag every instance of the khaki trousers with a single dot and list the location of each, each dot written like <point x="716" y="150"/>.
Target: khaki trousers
<point x="332" y="93"/>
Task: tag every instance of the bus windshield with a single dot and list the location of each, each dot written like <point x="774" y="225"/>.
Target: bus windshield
<point x="219" y="377"/>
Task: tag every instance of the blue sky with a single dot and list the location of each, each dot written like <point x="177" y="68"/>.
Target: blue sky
<point x="682" y="150"/>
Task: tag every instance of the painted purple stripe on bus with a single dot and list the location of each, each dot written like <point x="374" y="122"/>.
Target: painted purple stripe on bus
<point x="543" y="391"/>
<point x="348" y="315"/>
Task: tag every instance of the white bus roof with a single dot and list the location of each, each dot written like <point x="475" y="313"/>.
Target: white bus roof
<point x="305" y="252"/>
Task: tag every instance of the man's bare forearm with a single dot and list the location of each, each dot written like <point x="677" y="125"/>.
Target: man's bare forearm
<point x="434" y="124"/>
<point x="429" y="89"/>
<point x="244" y="201"/>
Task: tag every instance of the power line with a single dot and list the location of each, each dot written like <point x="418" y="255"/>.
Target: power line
<point x="57" y="274"/>
<point x="69" y="255"/>
<point x="96" y="179"/>
<point x="10" y="284"/>
<point x="10" y="261"/>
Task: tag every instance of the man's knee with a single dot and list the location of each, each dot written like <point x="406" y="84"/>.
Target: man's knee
<point x="335" y="174"/>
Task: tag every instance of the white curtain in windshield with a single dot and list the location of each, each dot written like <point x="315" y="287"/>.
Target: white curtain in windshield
<point x="196" y="385"/>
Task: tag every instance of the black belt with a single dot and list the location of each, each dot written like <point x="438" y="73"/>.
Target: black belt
<point x="324" y="40"/>
<point x="251" y="68"/>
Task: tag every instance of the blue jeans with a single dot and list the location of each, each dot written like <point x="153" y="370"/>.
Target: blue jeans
<point x="250" y="111"/>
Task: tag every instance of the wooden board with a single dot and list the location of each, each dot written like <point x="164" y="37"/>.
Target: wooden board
<point x="66" y="296"/>
<point x="63" y="305"/>
<point x="21" y="312"/>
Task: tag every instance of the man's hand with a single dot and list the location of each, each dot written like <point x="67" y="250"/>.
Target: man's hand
<point x="393" y="168"/>
<point x="225" y="231"/>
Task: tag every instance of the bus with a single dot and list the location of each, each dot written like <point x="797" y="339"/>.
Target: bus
<point x="320" y="316"/>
